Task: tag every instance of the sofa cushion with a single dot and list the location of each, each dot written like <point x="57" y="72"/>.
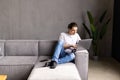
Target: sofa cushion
<point x="16" y="72"/>
<point x="42" y="60"/>
<point x="17" y="67"/>
<point x="2" y="47"/>
<point x="67" y="71"/>
<point x="18" y="60"/>
<point x="46" y="47"/>
<point x="21" y="48"/>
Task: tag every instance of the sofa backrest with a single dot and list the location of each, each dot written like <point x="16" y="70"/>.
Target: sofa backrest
<point x="2" y="47"/>
<point x="47" y="47"/>
<point x="21" y="48"/>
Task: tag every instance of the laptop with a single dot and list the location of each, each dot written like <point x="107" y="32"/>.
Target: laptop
<point x="85" y="43"/>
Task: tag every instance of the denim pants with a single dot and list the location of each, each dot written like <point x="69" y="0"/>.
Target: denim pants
<point x="60" y="56"/>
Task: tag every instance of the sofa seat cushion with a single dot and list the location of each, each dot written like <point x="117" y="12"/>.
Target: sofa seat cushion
<point x="67" y="71"/>
<point x="18" y="60"/>
<point x="1" y="57"/>
<point x="42" y="60"/>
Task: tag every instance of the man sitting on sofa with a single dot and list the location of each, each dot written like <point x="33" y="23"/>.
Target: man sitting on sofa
<point x="66" y="47"/>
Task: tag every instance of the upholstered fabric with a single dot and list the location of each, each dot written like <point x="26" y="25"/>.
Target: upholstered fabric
<point x="67" y="71"/>
<point x="46" y="47"/>
<point x="16" y="72"/>
<point x="42" y="60"/>
<point x="17" y="67"/>
<point x="2" y="47"/>
<point x="18" y="60"/>
<point x="1" y="57"/>
<point x="81" y="62"/>
<point x="19" y="57"/>
<point x="21" y="48"/>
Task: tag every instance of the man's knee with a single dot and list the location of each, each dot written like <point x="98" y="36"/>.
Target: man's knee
<point x="72" y="55"/>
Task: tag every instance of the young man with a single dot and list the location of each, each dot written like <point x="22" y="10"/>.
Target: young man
<point x="66" y="46"/>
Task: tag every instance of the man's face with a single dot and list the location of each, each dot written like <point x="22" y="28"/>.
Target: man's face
<point x="73" y="30"/>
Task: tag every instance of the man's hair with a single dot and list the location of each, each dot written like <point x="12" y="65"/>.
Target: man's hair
<point x="71" y="25"/>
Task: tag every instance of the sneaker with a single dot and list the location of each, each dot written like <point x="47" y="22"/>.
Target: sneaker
<point x="53" y="64"/>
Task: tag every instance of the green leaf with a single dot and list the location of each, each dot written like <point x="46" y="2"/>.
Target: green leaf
<point x="90" y="17"/>
<point x="86" y="28"/>
<point x="94" y="31"/>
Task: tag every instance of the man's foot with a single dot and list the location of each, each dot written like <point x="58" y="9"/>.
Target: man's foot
<point x="53" y="64"/>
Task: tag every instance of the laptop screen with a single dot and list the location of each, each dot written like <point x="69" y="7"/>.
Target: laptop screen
<point x="85" y="43"/>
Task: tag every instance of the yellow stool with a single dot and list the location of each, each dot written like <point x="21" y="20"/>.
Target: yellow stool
<point x="3" y="77"/>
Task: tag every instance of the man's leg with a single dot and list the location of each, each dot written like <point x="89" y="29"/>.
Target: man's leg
<point x="58" y="51"/>
<point x="60" y="56"/>
<point x="69" y="57"/>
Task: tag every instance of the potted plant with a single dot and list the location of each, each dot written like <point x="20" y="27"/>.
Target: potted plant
<point x="96" y="33"/>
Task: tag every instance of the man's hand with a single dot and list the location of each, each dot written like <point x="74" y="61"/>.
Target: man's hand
<point x="74" y="46"/>
<point x="68" y="46"/>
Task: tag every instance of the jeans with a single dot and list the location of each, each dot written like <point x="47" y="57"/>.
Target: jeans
<point x="60" y="56"/>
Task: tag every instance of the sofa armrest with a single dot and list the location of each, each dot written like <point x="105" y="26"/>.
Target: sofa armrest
<point x="81" y="61"/>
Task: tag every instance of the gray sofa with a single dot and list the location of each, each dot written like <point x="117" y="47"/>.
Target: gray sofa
<point x="19" y="57"/>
